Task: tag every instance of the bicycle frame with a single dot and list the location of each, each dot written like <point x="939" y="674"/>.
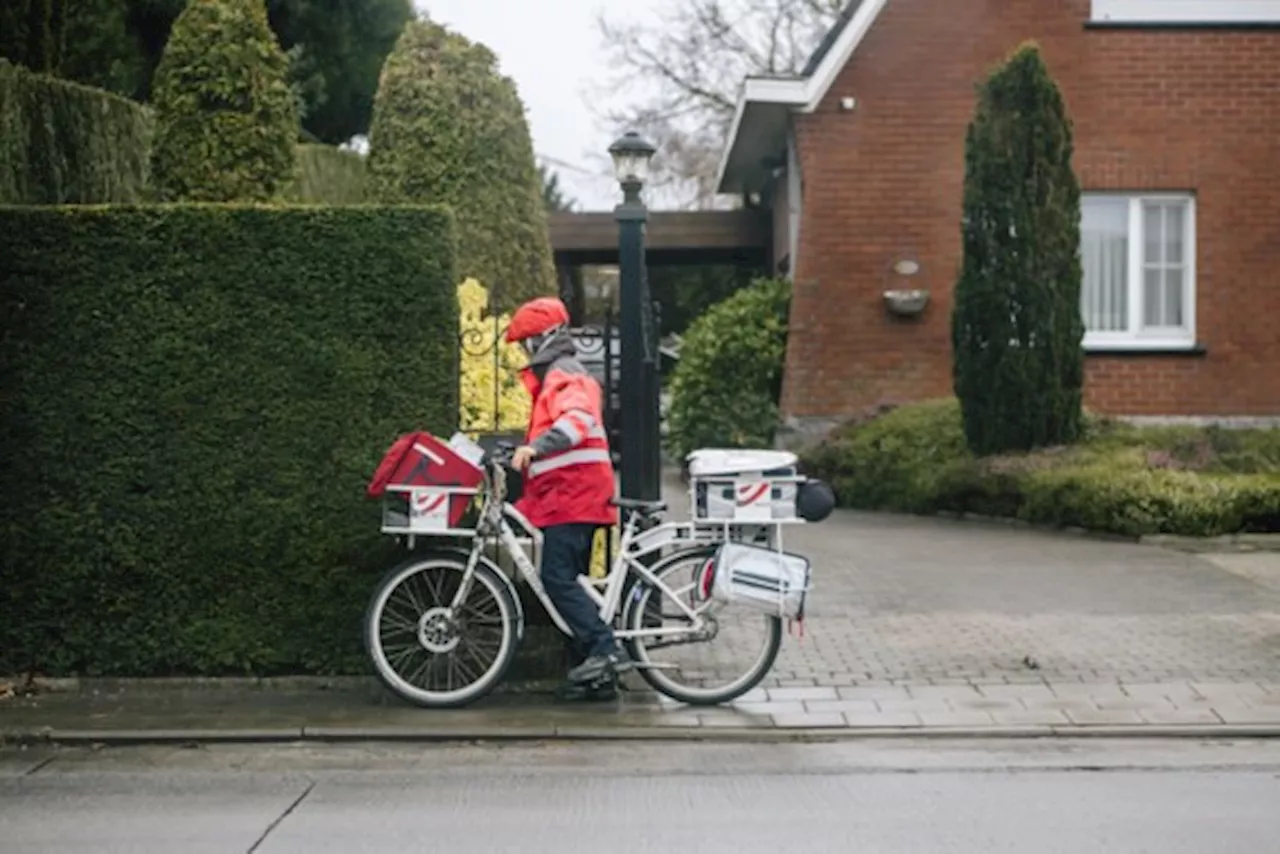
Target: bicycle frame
<point x="499" y="520"/>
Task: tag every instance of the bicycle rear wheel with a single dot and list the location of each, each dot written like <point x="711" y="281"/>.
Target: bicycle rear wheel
<point x="429" y="656"/>
<point x="699" y="671"/>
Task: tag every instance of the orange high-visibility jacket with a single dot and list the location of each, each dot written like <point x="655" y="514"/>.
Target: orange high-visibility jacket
<point x="573" y="484"/>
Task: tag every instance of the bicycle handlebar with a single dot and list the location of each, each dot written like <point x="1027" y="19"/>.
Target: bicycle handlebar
<point x="501" y="454"/>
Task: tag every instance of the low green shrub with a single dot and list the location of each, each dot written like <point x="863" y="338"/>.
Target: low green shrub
<point x="194" y="400"/>
<point x="724" y="391"/>
<point x="63" y="143"/>
<point x="1137" y="502"/>
<point x="892" y="461"/>
<point x="327" y="175"/>
<point x="1120" y="478"/>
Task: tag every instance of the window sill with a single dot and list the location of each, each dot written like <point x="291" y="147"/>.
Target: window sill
<point x="1138" y="350"/>
<point x="1242" y="26"/>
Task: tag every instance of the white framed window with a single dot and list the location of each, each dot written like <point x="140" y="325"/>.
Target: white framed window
<point x="1186" y="11"/>
<point x="1139" y="260"/>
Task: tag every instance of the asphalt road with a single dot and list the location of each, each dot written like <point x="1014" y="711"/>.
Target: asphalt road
<point x="923" y="796"/>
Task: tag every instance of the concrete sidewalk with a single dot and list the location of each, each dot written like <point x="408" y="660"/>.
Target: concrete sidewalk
<point x="360" y="712"/>
<point x="915" y="626"/>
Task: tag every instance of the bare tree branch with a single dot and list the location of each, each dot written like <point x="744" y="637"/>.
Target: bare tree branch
<point x="680" y="73"/>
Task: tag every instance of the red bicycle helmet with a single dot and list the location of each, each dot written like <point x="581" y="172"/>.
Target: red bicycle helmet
<point x="537" y="317"/>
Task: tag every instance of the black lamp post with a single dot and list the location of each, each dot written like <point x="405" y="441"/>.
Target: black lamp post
<point x="638" y="384"/>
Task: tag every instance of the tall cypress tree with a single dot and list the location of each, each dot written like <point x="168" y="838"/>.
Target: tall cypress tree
<point x="1017" y="328"/>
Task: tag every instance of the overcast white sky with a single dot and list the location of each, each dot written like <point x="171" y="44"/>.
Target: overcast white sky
<point x="552" y="49"/>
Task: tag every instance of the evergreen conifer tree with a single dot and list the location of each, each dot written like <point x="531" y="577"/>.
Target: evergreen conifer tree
<point x="1017" y="328"/>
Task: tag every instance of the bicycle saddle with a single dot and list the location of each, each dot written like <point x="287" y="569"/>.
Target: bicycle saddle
<point x="639" y="505"/>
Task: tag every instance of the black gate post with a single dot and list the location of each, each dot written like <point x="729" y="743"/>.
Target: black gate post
<point x="641" y="443"/>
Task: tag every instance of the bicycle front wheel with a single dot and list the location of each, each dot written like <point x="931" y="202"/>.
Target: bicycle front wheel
<point x="722" y="664"/>
<point x="431" y="654"/>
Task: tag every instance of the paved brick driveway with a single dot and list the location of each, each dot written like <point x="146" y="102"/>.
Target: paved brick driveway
<point x="910" y="599"/>
<point x="957" y="622"/>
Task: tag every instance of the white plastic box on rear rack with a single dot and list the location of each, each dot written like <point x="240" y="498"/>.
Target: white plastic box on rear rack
<point x="744" y="487"/>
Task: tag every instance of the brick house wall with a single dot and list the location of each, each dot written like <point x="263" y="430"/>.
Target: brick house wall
<point x="1175" y="109"/>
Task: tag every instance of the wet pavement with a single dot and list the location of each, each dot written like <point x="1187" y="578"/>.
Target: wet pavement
<point x="971" y="796"/>
<point x="935" y="622"/>
<point x="906" y="599"/>
<point x="914" y="624"/>
<point x="778" y="713"/>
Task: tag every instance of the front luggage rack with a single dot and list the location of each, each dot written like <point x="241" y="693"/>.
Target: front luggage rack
<point x="429" y="510"/>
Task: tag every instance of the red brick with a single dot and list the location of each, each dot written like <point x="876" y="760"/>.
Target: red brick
<point x="1153" y="109"/>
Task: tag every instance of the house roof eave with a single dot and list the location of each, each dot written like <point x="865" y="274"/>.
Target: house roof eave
<point x="803" y="93"/>
<point x="763" y="111"/>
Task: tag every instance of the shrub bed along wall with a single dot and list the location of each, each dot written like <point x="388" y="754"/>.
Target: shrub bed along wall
<point x="1119" y="479"/>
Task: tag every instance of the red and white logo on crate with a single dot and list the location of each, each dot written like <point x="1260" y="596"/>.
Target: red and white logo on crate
<point x="750" y="494"/>
<point x="753" y="500"/>
<point x="429" y="509"/>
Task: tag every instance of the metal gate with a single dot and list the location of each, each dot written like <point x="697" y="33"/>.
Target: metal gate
<point x="598" y="349"/>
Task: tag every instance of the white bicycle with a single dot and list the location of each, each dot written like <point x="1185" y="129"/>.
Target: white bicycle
<point x="442" y="628"/>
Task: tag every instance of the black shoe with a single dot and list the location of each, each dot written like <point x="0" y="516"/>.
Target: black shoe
<point x="595" y="669"/>
<point x="593" y="692"/>
<point x="601" y="666"/>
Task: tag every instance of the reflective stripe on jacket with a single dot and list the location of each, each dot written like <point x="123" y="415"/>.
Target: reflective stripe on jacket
<point x="574" y="484"/>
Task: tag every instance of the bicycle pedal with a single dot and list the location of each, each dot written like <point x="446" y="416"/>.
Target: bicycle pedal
<point x="650" y="665"/>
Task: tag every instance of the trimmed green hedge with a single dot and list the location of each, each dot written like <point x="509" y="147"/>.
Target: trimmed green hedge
<point x="1119" y="479"/>
<point x="63" y="143"/>
<point x="194" y="398"/>
<point x="328" y="176"/>
<point x="226" y="119"/>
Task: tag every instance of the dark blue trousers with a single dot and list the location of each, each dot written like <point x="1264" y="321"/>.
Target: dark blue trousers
<point x="566" y="554"/>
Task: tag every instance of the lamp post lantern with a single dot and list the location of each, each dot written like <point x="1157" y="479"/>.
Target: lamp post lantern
<point x="638" y="383"/>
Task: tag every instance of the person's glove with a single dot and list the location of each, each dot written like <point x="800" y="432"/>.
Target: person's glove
<point x="522" y="457"/>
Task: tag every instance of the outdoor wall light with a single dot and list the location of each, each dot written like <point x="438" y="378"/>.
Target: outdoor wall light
<point x="906" y="302"/>
<point x="631" y="155"/>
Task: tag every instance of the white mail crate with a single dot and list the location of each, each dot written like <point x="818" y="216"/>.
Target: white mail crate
<point x="733" y="486"/>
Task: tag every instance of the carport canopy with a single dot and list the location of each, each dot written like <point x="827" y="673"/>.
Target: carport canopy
<point x="671" y="237"/>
